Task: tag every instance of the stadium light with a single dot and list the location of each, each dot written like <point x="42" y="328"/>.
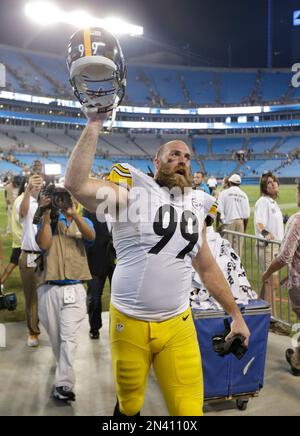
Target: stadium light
<point x="78" y="18"/>
<point x="43" y="13"/>
<point x="46" y="13"/>
<point x="122" y="27"/>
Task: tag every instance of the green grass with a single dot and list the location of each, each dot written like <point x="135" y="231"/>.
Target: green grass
<point x="13" y="284"/>
<point x="287" y="198"/>
<point x="287" y="202"/>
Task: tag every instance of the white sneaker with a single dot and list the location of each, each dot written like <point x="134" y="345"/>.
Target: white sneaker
<point x="32" y="341"/>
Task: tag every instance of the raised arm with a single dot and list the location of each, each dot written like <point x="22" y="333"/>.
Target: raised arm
<point x="77" y="180"/>
<point x="215" y="283"/>
<point x="34" y="186"/>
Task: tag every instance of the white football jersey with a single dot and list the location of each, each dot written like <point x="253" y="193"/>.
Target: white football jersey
<point x="152" y="279"/>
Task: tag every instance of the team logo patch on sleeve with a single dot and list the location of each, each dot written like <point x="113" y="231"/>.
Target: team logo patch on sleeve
<point x="120" y="175"/>
<point x="198" y="205"/>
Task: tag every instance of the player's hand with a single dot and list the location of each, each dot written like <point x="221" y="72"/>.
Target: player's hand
<point x="239" y="327"/>
<point x="93" y="115"/>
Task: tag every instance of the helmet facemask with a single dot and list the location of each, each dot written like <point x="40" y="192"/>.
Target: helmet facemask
<point x="99" y="78"/>
<point x="98" y="87"/>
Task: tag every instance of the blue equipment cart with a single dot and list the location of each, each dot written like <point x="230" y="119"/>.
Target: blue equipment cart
<point x="227" y="377"/>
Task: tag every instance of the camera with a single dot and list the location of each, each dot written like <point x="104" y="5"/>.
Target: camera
<point x="7" y="301"/>
<point x="60" y="200"/>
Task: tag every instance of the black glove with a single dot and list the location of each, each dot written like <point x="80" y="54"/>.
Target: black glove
<point x="234" y="345"/>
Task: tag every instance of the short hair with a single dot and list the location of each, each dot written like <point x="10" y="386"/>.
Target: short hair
<point x="200" y="172"/>
<point x="161" y="151"/>
<point x="163" y="148"/>
<point x="264" y="182"/>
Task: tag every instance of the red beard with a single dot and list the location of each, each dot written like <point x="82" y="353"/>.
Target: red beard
<point x="173" y="177"/>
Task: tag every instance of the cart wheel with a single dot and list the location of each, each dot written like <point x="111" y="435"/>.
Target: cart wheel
<point x="242" y="404"/>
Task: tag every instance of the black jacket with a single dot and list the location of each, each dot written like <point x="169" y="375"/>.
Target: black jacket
<point x="101" y="256"/>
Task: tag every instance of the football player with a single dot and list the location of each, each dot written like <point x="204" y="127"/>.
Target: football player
<point x="150" y="318"/>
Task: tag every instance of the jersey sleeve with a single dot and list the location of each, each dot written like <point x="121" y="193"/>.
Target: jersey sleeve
<point x="210" y="206"/>
<point x="220" y="204"/>
<point x="120" y="175"/>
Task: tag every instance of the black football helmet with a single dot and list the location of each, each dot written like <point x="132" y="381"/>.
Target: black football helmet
<point x="97" y="70"/>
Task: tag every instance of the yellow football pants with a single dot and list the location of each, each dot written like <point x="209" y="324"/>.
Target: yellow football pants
<point x="172" y="347"/>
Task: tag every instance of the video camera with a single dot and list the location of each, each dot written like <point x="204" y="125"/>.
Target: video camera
<point x="60" y="200"/>
<point x="234" y="345"/>
<point x="7" y="301"/>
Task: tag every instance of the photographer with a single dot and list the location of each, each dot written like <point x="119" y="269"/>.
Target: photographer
<point x="30" y="251"/>
<point x="62" y="236"/>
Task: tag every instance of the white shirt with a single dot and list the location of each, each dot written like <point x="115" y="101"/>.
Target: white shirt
<point x="233" y="205"/>
<point x="152" y="279"/>
<point x="268" y="213"/>
<point x="29" y="229"/>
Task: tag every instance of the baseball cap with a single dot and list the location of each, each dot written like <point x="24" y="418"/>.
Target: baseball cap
<point x="235" y="178"/>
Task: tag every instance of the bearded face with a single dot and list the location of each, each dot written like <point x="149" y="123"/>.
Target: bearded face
<point x="174" y="176"/>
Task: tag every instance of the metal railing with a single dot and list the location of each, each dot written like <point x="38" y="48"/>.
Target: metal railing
<point x="256" y="254"/>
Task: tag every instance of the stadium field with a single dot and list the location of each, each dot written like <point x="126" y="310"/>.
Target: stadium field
<point x="287" y="202"/>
